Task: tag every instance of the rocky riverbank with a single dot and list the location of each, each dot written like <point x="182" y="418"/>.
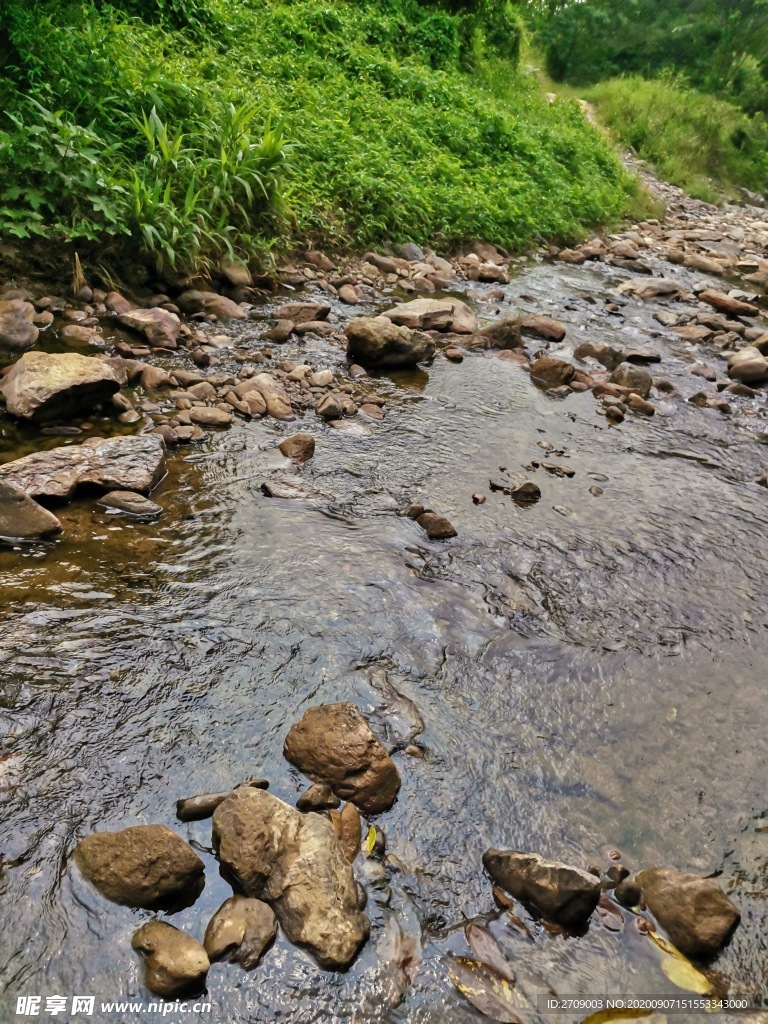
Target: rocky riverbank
<point x="115" y="390"/>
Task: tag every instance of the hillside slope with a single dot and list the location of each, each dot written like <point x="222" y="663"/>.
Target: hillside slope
<point x="210" y="124"/>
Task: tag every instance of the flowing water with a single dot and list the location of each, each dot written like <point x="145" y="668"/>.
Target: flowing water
<point x="591" y="671"/>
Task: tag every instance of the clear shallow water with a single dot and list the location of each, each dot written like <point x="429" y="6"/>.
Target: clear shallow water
<point x="591" y="670"/>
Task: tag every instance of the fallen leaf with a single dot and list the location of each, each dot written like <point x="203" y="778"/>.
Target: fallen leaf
<point x="370" y="841"/>
<point x="488" y="992"/>
<point x="682" y="973"/>
<point x="485" y="947"/>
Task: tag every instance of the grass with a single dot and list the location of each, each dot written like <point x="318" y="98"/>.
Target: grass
<point x="213" y="126"/>
<point x="695" y="141"/>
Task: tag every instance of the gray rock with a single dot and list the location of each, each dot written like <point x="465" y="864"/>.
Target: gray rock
<point x="22" y="518"/>
<point x="561" y="893"/>
<point x="295" y="863"/>
<point x="236" y="272"/>
<point x="302" y="312"/>
<point x="131" y="463"/>
<point x="142" y="866"/>
<point x="43" y="387"/>
<point x="694" y="912"/>
<point x="627" y="375"/>
<point x="240" y="931"/>
<point x="377" y="342"/>
<point x="333" y="743"/>
<point x="175" y="963"/>
<point x="131" y="502"/>
<point x="410" y="251"/>
<point x="17" y="334"/>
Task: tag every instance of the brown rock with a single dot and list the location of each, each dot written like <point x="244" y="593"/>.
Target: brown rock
<point x="16" y="333"/>
<point x="299" y="447"/>
<point x="210" y="417"/>
<point x="350" y="831"/>
<point x="240" y="931"/>
<point x="118" y="303"/>
<point x="295" y="863"/>
<point x="503" y="334"/>
<point x="434" y="314"/>
<point x="280" y="333"/>
<point x="330" y="407"/>
<point x="560" y="893"/>
<point x="302" y="312"/>
<point x="377" y="342"/>
<point x="154" y="377"/>
<point x="22" y="518"/>
<point x="727" y="304"/>
<point x="333" y="743"/>
<point x="543" y="327"/>
<point x="695" y="912"/>
<point x="210" y="303"/>
<point x="143" y="866"/>
<point x="627" y="375"/>
<point x="319" y="797"/>
<point x="436" y="527"/>
<point x="175" y="963"/>
<point x="275" y="398"/>
<point x="42" y="387"/>
<point x="131" y="502"/>
<point x="132" y="463"/>
<point x="158" y="326"/>
<point x="348" y="294"/>
<point x="551" y="373"/>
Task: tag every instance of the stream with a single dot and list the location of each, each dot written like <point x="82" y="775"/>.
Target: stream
<point x="590" y="669"/>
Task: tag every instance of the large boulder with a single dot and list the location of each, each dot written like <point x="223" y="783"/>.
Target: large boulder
<point x="160" y="327"/>
<point x="294" y="862"/>
<point x="333" y="743"/>
<point x="21" y="518"/>
<point x="130" y="463"/>
<point x="42" y="386"/>
<point x="694" y="912"/>
<point x="548" y="372"/>
<point x="560" y="893"/>
<point x="748" y="365"/>
<point x="175" y="963"/>
<point x="376" y="341"/>
<point x="275" y="397"/>
<point x="434" y="315"/>
<point x="240" y="931"/>
<point x="628" y="375"/>
<point x="142" y="866"/>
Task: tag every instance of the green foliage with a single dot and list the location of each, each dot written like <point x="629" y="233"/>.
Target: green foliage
<point x="189" y="128"/>
<point x="692" y="139"/>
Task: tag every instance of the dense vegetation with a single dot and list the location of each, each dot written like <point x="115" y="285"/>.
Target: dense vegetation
<point x="654" y="66"/>
<point x="185" y="128"/>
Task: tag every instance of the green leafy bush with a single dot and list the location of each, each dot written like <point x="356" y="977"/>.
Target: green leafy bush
<point x="339" y="124"/>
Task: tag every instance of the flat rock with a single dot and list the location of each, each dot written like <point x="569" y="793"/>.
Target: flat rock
<point x="42" y="386"/>
<point x="560" y="893"/>
<point x="543" y="327"/>
<point x="656" y="287"/>
<point x="295" y="863"/>
<point x="333" y="743"/>
<point x="22" y="518"/>
<point x="502" y="334"/>
<point x="435" y="315"/>
<point x="302" y="312"/>
<point x="130" y="463"/>
<point x="724" y="303"/>
<point x="378" y="342"/>
<point x="142" y="866"/>
<point x="211" y="303"/>
<point x="240" y="931"/>
<point x="694" y="912"/>
<point x="551" y="373"/>
<point x="158" y="326"/>
<point x="175" y="964"/>
<point x="131" y="502"/>
<point x="210" y="417"/>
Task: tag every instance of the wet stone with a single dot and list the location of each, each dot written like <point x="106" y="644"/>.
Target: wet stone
<point x="175" y="964"/>
<point x="240" y="931"/>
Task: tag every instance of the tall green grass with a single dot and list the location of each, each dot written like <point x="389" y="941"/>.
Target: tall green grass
<point x="177" y="130"/>
<point x="700" y="143"/>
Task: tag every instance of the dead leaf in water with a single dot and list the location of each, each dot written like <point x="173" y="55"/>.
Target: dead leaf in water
<point x="682" y="973"/>
<point x="486" y="949"/>
<point x="369" y="842"/>
<point x="488" y="992"/>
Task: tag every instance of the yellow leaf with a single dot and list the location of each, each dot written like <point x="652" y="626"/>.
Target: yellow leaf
<point x="683" y="974"/>
<point x="369" y="842"/>
<point x="664" y="944"/>
<point x="606" y="1016"/>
